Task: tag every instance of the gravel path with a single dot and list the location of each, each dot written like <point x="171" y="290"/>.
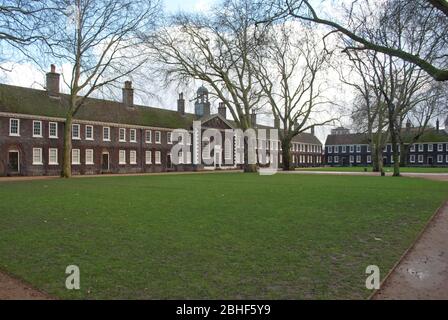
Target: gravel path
<point x="13" y="289"/>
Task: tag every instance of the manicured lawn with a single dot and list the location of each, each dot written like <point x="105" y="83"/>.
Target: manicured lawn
<point x="211" y="236"/>
<point x="369" y="169"/>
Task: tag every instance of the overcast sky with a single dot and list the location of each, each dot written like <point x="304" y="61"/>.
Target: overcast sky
<point x="28" y="75"/>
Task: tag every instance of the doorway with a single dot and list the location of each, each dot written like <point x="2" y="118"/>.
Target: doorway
<point x="13" y="162"/>
<point x="105" y="162"/>
<point x="430" y="161"/>
<point x="169" y="163"/>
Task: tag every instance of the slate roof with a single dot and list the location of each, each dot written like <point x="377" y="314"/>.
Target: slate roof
<point x="431" y="135"/>
<point x="21" y="100"/>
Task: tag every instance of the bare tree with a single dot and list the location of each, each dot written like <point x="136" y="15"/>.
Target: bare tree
<point x="100" y="40"/>
<point x="22" y="24"/>
<point x="287" y="69"/>
<point x="369" y="113"/>
<point x="426" y="19"/>
<point x="216" y="49"/>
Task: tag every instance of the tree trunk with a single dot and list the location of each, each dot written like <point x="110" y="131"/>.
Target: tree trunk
<point x="404" y="155"/>
<point x="375" y="160"/>
<point x="67" y="164"/>
<point x="248" y="167"/>
<point x="286" y="154"/>
<point x="395" y="155"/>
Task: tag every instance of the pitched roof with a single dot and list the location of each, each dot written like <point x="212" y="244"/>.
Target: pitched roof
<point x="430" y="135"/>
<point x="352" y="138"/>
<point x="36" y="102"/>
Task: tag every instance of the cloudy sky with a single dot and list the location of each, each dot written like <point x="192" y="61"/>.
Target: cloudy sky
<point x="28" y="75"/>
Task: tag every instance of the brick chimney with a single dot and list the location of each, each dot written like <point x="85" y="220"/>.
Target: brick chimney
<point x="53" y="82"/>
<point x="408" y="125"/>
<point x="222" y="110"/>
<point x="253" y="119"/>
<point x="181" y="104"/>
<point x="437" y="125"/>
<point x="128" y="94"/>
<point x="312" y="130"/>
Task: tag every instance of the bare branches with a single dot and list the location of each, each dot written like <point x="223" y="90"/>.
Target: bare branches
<point x="421" y="20"/>
<point x="215" y="49"/>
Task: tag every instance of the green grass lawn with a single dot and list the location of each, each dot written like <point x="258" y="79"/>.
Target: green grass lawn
<point x="387" y="169"/>
<point x="219" y="236"/>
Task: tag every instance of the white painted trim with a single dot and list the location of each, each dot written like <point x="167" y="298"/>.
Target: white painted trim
<point x="41" y="129"/>
<point x="18" y="128"/>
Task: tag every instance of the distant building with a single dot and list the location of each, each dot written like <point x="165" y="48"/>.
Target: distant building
<point x="114" y="137"/>
<point x="343" y="148"/>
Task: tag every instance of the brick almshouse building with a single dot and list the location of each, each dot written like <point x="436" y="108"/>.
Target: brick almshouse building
<point x="109" y="136"/>
<point x="343" y="148"/>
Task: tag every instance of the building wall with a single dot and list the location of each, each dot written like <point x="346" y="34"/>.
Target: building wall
<point x="25" y="143"/>
<point x="427" y="157"/>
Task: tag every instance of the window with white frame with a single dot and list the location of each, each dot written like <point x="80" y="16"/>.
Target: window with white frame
<point x="89" y="132"/>
<point x="133" y="135"/>
<point x="122" y="157"/>
<point x="158" y="137"/>
<point x="392" y="159"/>
<point x="412" y="148"/>
<point x="352" y="159"/>
<point x="336" y="149"/>
<point x="336" y="159"/>
<point x="53" y="130"/>
<point x="37" y="129"/>
<point x="358" y="148"/>
<point x="106" y="134"/>
<point x="344" y="149"/>
<point x="446" y="158"/>
<point x="181" y="157"/>
<point x="412" y="158"/>
<point x="133" y="157"/>
<point x="352" y="149"/>
<point x="330" y="149"/>
<point x="148" y="157"/>
<point x="440" y="147"/>
<point x="122" y="135"/>
<point x="439" y="158"/>
<point x="430" y="147"/>
<point x="76" y="156"/>
<point x="89" y="156"/>
<point x="369" y="159"/>
<point x="420" y="158"/>
<point x="330" y="159"/>
<point x="385" y="148"/>
<point x="228" y="149"/>
<point x="368" y="148"/>
<point x="420" y="148"/>
<point x="53" y="156"/>
<point x="148" y="136"/>
<point x="358" y="159"/>
<point x="158" y="157"/>
<point x="37" y="156"/>
<point x="76" y="134"/>
<point x="168" y="138"/>
<point x="14" y="127"/>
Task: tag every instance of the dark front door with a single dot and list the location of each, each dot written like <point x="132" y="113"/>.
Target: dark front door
<point x="13" y="162"/>
<point x="105" y="162"/>
<point x="430" y="161"/>
<point x="169" y="164"/>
